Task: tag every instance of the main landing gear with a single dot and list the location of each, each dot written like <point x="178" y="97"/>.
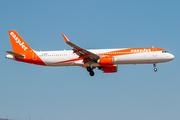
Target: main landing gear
<point x="155" y="69"/>
<point x="90" y="70"/>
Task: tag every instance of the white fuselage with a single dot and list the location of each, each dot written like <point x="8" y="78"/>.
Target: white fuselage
<point x="68" y="58"/>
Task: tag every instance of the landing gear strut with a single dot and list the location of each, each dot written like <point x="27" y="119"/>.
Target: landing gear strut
<point x="155" y="69"/>
<point x="90" y="70"/>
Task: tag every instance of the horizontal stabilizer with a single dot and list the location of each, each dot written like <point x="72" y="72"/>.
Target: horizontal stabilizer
<point x="15" y="54"/>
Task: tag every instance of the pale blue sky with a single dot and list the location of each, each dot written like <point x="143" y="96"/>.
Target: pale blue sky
<point x="135" y="92"/>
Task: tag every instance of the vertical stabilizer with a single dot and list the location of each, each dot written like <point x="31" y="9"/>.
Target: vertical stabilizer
<point x="18" y="44"/>
<point x="21" y="50"/>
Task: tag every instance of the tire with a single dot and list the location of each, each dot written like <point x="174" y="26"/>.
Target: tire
<point x="155" y="69"/>
<point x="91" y="73"/>
<point x="89" y="69"/>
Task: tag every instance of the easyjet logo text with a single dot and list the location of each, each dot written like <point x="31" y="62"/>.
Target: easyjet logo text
<point x="141" y="50"/>
<point x="18" y="41"/>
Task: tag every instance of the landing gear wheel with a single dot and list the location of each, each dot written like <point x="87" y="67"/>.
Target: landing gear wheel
<point x="91" y="73"/>
<point x="155" y="69"/>
<point x="89" y="69"/>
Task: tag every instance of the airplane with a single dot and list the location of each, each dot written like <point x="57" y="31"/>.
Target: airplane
<point x="105" y="60"/>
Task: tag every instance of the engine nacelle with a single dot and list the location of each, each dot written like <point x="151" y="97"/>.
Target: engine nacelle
<point x="106" y="61"/>
<point x="109" y="69"/>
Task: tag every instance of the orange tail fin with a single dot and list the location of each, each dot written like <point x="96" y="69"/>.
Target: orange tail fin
<point x="18" y="44"/>
<point x="21" y="50"/>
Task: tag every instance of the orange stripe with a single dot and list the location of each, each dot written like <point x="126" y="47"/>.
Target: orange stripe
<point x="130" y="51"/>
<point x="69" y="60"/>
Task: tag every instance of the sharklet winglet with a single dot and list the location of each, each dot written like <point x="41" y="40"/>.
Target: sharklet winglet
<point x="65" y="38"/>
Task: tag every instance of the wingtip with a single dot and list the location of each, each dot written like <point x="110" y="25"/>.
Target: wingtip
<point x="65" y="38"/>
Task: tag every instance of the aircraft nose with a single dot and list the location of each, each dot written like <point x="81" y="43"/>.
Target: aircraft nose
<point x="171" y="56"/>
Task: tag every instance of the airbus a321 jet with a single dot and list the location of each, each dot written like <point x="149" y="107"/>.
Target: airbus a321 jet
<point x="104" y="59"/>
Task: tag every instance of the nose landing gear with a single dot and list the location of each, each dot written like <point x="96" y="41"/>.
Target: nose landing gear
<point x="155" y="69"/>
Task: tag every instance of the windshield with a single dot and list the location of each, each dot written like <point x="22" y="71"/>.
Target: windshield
<point x="164" y="51"/>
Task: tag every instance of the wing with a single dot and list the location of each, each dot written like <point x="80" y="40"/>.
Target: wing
<point x="86" y="55"/>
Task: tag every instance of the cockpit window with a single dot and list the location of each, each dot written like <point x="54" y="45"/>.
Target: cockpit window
<point x="164" y="51"/>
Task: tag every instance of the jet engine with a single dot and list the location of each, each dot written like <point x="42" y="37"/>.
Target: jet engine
<point x="109" y="69"/>
<point x="105" y="61"/>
